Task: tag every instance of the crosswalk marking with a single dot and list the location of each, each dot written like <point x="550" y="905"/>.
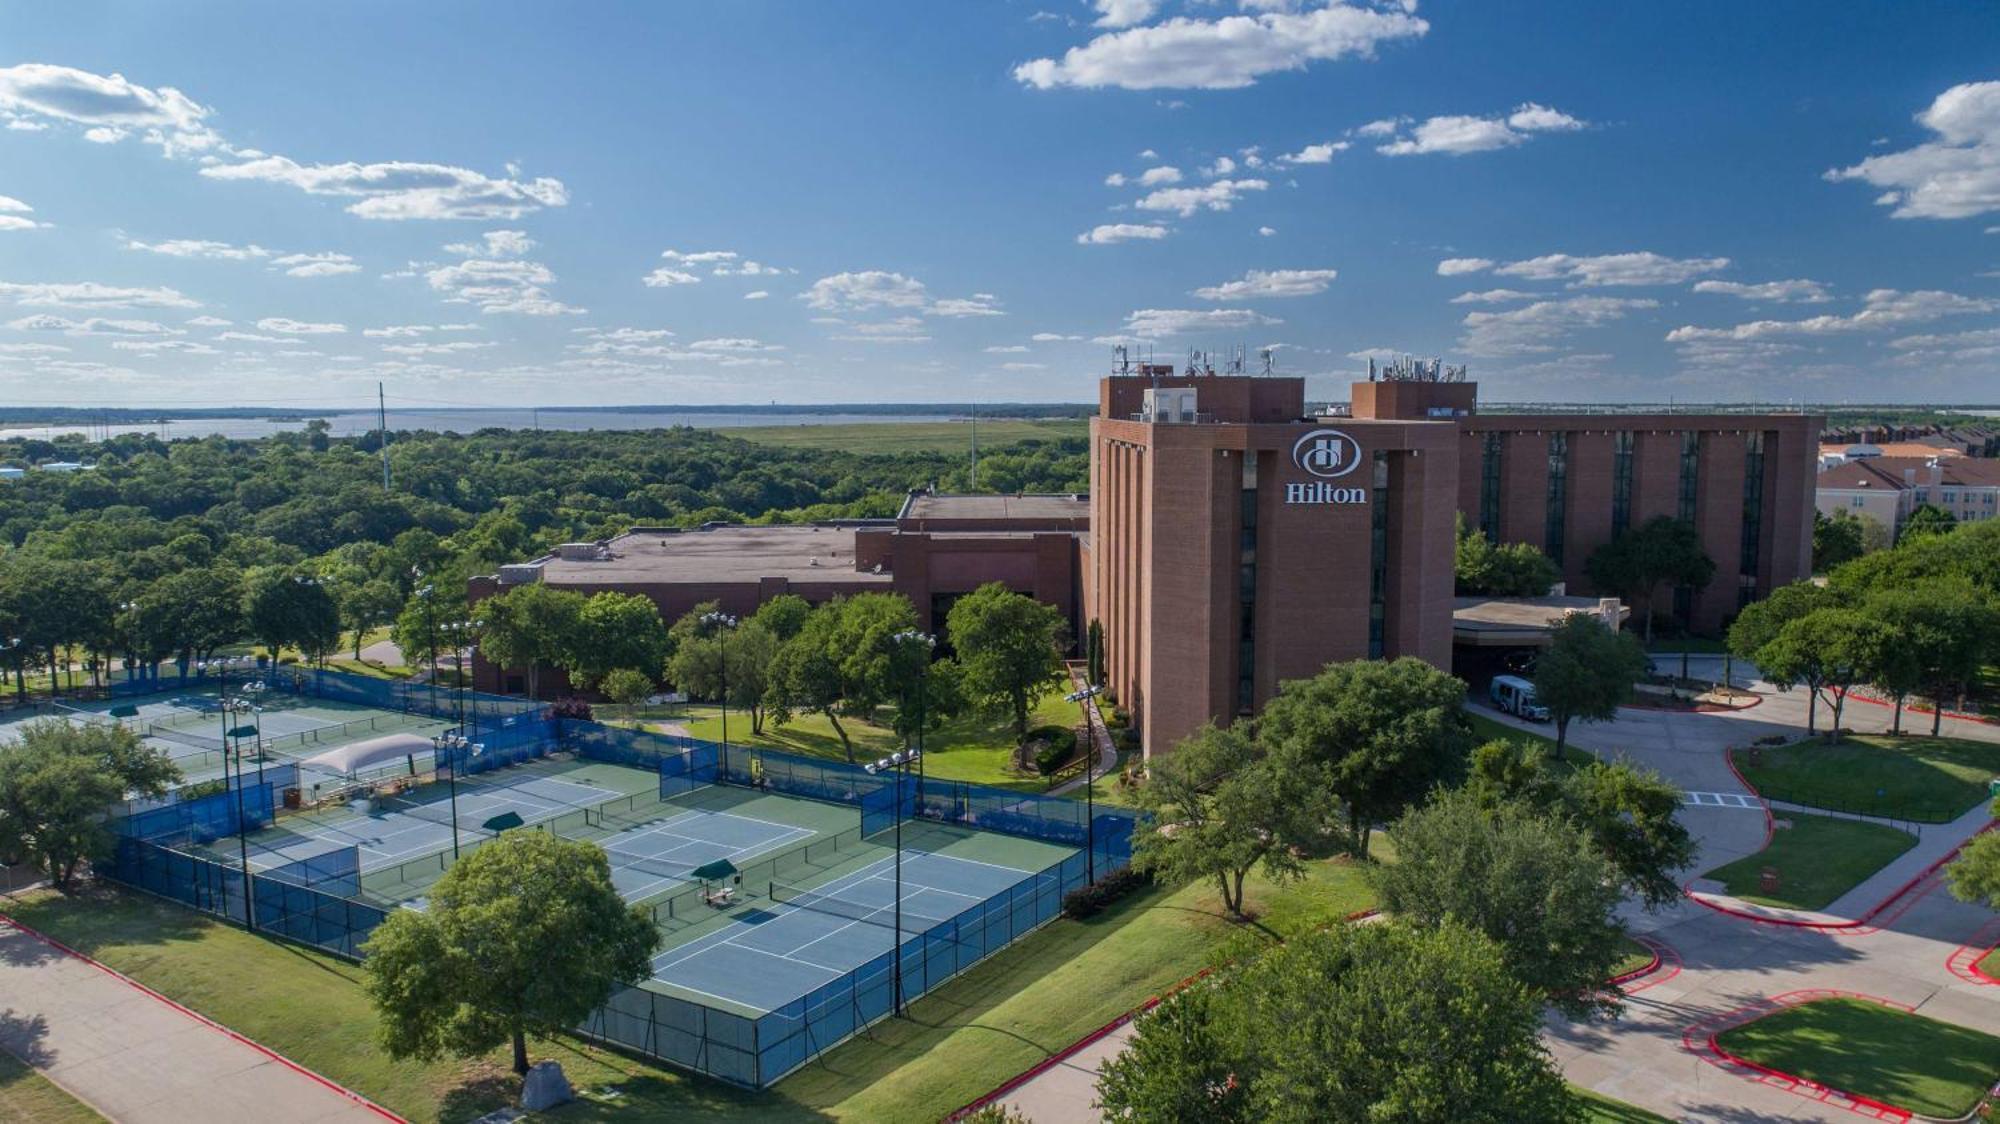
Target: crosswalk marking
<point x="1721" y="800"/>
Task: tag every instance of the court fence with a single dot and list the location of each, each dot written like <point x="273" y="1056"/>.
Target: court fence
<point x="320" y="901"/>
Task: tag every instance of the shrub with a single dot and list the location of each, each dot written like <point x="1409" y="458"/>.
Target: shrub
<point x="1053" y="747"/>
<point x="571" y="707"/>
<point x="1088" y="901"/>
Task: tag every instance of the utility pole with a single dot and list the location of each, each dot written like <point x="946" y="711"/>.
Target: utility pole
<point x="975" y="449"/>
<point x="382" y="416"/>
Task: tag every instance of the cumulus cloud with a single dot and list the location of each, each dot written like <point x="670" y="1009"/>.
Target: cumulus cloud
<point x="1797" y="291"/>
<point x="1454" y="267"/>
<point x="1053" y="337"/>
<point x="1538" y="327"/>
<point x="200" y="248"/>
<point x="452" y="347"/>
<point x="1314" y="153"/>
<point x="1267" y="231"/>
<point x="91" y="295"/>
<point x="1258" y="283"/>
<point x="316" y="265"/>
<point x="32" y="95"/>
<point x="286" y="326"/>
<point x="871" y="289"/>
<point x="1458" y="135"/>
<point x="1638" y="268"/>
<point x="412" y="331"/>
<point x="1882" y="308"/>
<point x="494" y="244"/>
<point x="94" y="326"/>
<point x="1492" y="296"/>
<point x="1010" y="349"/>
<point x="682" y="265"/>
<point x="512" y="285"/>
<point x="1955" y="176"/>
<point x="1111" y="232"/>
<point x="1219" y="195"/>
<point x="1147" y="323"/>
<point x="399" y="189"/>
<point x="1123" y="13"/>
<point x="1226" y="53"/>
<point x="756" y="294"/>
<point x="14" y="215"/>
<point x="209" y="322"/>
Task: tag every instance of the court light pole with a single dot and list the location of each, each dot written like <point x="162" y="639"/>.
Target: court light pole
<point x="242" y="824"/>
<point x="720" y="623"/>
<point x="1086" y="699"/>
<point x="929" y="646"/>
<point x="449" y="744"/>
<point x="900" y="763"/>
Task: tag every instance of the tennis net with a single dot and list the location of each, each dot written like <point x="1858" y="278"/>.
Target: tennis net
<point x="178" y="737"/>
<point x="785" y="894"/>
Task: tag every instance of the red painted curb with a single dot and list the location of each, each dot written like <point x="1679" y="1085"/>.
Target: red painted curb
<point x="1964" y="963"/>
<point x="288" y="1063"/>
<point x="1666" y="965"/>
<point x="1069" y="1051"/>
<point x="1859" y="1104"/>
<point x="1957" y="716"/>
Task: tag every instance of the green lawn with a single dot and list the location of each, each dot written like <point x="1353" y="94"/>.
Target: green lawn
<point x="913" y="436"/>
<point x="1990" y="963"/>
<point x="1818" y="859"/>
<point x="1938" y="779"/>
<point x="1600" y="1109"/>
<point x="999" y="1018"/>
<point x="1636" y="956"/>
<point x="976" y="747"/>
<point x="30" y="1098"/>
<point x="1915" y="1063"/>
<point x="1485" y="729"/>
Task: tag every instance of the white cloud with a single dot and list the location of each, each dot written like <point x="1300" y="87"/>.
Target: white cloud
<point x="1012" y="349"/>
<point x="1882" y="308"/>
<point x="1315" y="153"/>
<point x="286" y="326"/>
<point x="107" y="107"/>
<point x="756" y="294"/>
<point x="1798" y="291"/>
<point x="1115" y="179"/>
<point x="1220" y="195"/>
<point x="733" y="344"/>
<point x="979" y="304"/>
<point x="1259" y="283"/>
<point x="411" y="331"/>
<point x="94" y="326"/>
<point x="91" y="295"/>
<point x="1124" y="13"/>
<point x="316" y="265"/>
<point x="1226" y="53"/>
<point x="1637" y="268"/>
<point x="1165" y="173"/>
<point x="510" y="286"/>
<point x="1221" y="166"/>
<point x="198" y="248"/>
<point x="33" y="349"/>
<point x="1457" y="134"/>
<point x="1455" y="267"/>
<point x="451" y="348"/>
<point x="1147" y="323"/>
<point x="1536" y="328"/>
<point x="1052" y="337"/>
<point x="868" y="288"/>
<point x="404" y="189"/>
<point x="1111" y="232"/>
<point x="248" y="337"/>
<point x="12" y="205"/>
<point x="1024" y="366"/>
<point x="1381" y="127"/>
<point x="1267" y="231"/>
<point x="13" y="215"/>
<point x="494" y="244"/>
<point x="209" y="322"/>
<point x="663" y="278"/>
<point x="1954" y="176"/>
<point x="1492" y="296"/>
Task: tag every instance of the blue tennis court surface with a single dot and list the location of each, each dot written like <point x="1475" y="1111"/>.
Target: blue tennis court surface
<point x="656" y="857"/>
<point x="405" y="829"/>
<point x="770" y="956"/>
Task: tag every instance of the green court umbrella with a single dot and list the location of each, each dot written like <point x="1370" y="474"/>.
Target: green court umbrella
<point x="502" y="822"/>
<point x="717" y="871"/>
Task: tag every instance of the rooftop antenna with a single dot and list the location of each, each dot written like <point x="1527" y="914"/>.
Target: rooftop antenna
<point x="1270" y="357"/>
<point x="1238" y="355"/>
<point x="1124" y="360"/>
<point x="1371" y="368"/>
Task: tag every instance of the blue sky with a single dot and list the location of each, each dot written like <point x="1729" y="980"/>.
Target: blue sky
<point x="510" y="203"/>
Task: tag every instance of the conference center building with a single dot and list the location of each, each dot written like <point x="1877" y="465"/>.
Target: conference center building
<point x="1232" y="539"/>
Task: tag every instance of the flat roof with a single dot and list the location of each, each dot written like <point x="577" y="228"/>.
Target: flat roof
<point x="814" y="552"/>
<point x="1026" y="507"/>
<point x="1514" y="620"/>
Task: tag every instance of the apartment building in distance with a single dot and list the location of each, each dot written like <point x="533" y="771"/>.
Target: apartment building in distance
<point x="1887" y="489"/>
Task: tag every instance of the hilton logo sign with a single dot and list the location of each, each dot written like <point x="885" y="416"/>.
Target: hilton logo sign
<point x="1327" y="454"/>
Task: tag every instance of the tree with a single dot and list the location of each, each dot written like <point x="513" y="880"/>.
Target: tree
<point x="839" y="660"/>
<point x="1351" y="1023"/>
<point x="1928" y="519"/>
<point x="368" y="604"/>
<point x="1093" y="659"/>
<point x="1511" y="570"/>
<point x="528" y="626"/>
<point x="1586" y="673"/>
<point x="1629" y="813"/>
<point x="1760" y="622"/>
<point x="1007" y="644"/>
<point x="1534" y="883"/>
<point x="1974" y="876"/>
<point x="55" y="784"/>
<point x="191" y="613"/>
<point x="1377" y="736"/>
<point x="627" y="685"/>
<point x="783" y="615"/>
<point x="295" y="611"/>
<point x="745" y="652"/>
<point x="1828" y="651"/>
<point x="614" y="630"/>
<point x="525" y="935"/>
<point x="1945" y="632"/>
<point x="1837" y="539"/>
<point x="927" y="692"/>
<point x="1216" y="807"/>
<point x="1635" y="564"/>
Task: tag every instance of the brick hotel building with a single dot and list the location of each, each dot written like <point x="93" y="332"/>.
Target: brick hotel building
<point x="1232" y="541"/>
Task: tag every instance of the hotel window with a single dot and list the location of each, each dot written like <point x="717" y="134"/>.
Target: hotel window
<point x="1753" y="519"/>
<point x="1378" y="559"/>
<point x="1690" y="474"/>
<point x="1951" y="497"/>
<point x="1621" y="482"/>
<point x="1246" y="590"/>
<point x="1552" y="525"/>
<point x="1489" y="486"/>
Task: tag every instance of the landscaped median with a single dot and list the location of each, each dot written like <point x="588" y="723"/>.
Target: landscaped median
<point x="26" y="1096"/>
<point x="1869" y="1051"/>
<point x="1815" y="859"/>
<point x="1931" y="780"/>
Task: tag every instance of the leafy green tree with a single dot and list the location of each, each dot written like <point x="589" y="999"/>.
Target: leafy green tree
<point x="1094" y="653"/>
<point x="614" y="630"/>
<point x="627" y="685"/>
<point x="1630" y="814"/>
<point x="1827" y="651"/>
<point x="366" y="605"/>
<point x="927" y="693"/>
<point x="1633" y="566"/>
<point x="189" y="614"/>
<point x="523" y="936"/>
<point x="1928" y="519"/>
<point x="1352" y="1023"/>
<point x="839" y="661"/>
<point x="1510" y="570"/>
<point x="1760" y="621"/>
<point x="1535" y="884"/>
<point x="1586" y="673"/>
<point x="782" y="616"/>
<point x="529" y="626"/>
<point x="744" y="652"/>
<point x="55" y="784"/>
<point x="1974" y="876"/>
<point x="1007" y="643"/>
<point x="1377" y="736"/>
<point x="1217" y="807"/>
<point x="1837" y="539"/>
<point x="1945" y="631"/>
<point x="293" y="610"/>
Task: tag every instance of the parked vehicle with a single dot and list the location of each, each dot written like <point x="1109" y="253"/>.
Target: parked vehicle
<point x="1514" y="695"/>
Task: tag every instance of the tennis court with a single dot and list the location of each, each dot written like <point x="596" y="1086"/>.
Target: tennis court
<point x="797" y="939"/>
<point x="647" y="861"/>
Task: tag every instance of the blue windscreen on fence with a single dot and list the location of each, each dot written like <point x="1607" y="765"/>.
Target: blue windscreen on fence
<point x="205" y="819"/>
<point x="335" y="872"/>
<point x="315" y="917"/>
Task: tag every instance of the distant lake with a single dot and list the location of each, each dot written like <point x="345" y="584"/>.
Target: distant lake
<point x="355" y="422"/>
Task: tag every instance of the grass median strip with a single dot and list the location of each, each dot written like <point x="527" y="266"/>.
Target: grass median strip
<point x="1935" y="779"/>
<point x="1856" y="1046"/>
<point x="30" y="1098"/>
<point x="1816" y="859"/>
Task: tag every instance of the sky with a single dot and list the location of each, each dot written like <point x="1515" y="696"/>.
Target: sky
<point x="505" y="204"/>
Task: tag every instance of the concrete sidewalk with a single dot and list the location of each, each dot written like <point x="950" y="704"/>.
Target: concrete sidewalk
<point x="139" y="1058"/>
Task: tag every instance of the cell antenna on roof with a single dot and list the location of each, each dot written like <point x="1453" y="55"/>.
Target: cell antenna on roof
<point x="1124" y="360"/>
<point x="1270" y="357"/>
<point x="1238" y="356"/>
